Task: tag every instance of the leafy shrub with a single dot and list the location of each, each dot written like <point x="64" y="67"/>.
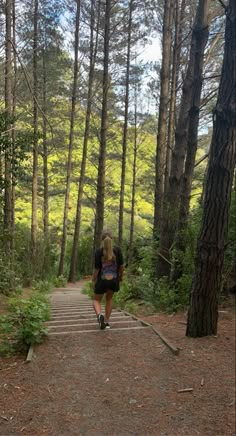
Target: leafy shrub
<point x="60" y="281"/>
<point x="88" y="289"/>
<point x="125" y="293"/>
<point x="24" y="324"/>
<point x="42" y="286"/>
<point x="131" y="307"/>
<point x="9" y="276"/>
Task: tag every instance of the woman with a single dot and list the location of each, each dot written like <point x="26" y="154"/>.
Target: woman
<point x="108" y="274"/>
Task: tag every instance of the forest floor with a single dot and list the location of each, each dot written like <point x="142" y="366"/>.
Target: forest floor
<point x="124" y="383"/>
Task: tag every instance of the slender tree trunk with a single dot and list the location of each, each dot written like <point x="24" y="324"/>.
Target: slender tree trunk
<point x="8" y="113"/>
<point x="34" y="220"/>
<point x="125" y="130"/>
<point x="93" y="55"/>
<point x="172" y="110"/>
<point x="203" y="311"/>
<point x="13" y="193"/>
<point x="163" y="114"/>
<point x="71" y="139"/>
<point x="172" y="203"/>
<point x="102" y="156"/>
<point x="131" y="238"/>
<point x="45" y="156"/>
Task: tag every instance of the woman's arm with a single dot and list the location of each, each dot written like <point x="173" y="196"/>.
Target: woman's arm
<point x="95" y="276"/>
<point x="121" y="272"/>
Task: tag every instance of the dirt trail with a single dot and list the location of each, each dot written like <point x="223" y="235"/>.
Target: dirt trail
<point x="109" y="383"/>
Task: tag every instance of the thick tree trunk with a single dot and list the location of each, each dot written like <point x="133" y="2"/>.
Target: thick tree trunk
<point x="131" y="238"/>
<point x="192" y="143"/>
<point x="45" y="156"/>
<point x="102" y="156"/>
<point x="203" y="311"/>
<point x="35" y="140"/>
<point x="71" y="140"/>
<point x="93" y="55"/>
<point x="163" y="114"/>
<point x="172" y="202"/>
<point x="8" y="113"/>
<point x="125" y="130"/>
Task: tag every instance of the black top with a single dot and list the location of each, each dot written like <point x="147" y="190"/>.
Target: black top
<point x="101" y="284"/>
<point x="99" y="254"/>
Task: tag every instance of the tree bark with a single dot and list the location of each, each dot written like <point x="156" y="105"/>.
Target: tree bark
<point x="172" y="109"/>
<point x="102" y="155"/>
<point x="8" y="113"/>
<point x="163" y="114"/>
<point x="13" y="193"/>
<point x="93" y="55"/>
<point x="131" y="238"/>
<point x="34" y="220"/>
<point x="45" y="156"/>
<point x="71" y="140"/>
<point x="207" y="281"/>
<point x="125" y="129"/>
<point x="172" y="202"/>
<point x="192" y="143"/>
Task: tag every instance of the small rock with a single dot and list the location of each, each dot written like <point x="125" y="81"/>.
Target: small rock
<point x="132" y="401"/>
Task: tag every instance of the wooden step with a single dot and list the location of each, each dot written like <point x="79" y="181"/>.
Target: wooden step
<point x="118" y="329"/>
<point x="83" y="321"/>
<point x="78" y="326"/>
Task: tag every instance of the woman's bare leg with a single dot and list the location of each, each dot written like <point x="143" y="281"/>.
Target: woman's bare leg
<point x="97" y="298"/>
<point x="109" y="295"/>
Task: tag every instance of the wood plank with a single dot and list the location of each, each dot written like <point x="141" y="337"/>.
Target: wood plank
<point x="97" y="330"/>
<point x="30" y="354"/>
<point x="89" y="323"/>
<point x="166" y="341"/>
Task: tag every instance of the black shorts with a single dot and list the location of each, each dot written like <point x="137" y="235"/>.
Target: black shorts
<point x="103" y="286"/>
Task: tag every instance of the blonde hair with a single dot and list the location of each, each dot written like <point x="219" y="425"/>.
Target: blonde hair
<point x="108" y="253"/>
<point x="107" y="248"/>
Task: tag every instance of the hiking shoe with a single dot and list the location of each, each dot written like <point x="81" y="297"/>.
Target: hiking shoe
<point x="107" y="325"/>
<point x="101" y="321"/>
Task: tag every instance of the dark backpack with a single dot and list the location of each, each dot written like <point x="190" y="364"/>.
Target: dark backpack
<point x="109" y="270"/>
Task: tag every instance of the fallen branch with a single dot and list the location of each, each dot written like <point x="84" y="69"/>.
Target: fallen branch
<point x="185" y="390"/>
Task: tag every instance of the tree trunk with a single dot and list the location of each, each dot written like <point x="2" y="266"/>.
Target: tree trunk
<point x="8" y="113"/>
<point x="172" y="203"/>
<point x="35" y="140"/>
<point x="192" y="143"/>
<point x="71" y="139"/>
<point x="13" y="193"/>
<point x="125" y="130"/>
<point x="163" y="114"/>
<point x="172" y="110"/>
<point x="45" y="156"/>
<point x="203" y="311"/>
<point x="102" y="156"/>
<point x="131" y="238"/>
<point x="93" y="55"/>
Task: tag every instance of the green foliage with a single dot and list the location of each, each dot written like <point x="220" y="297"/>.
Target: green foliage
<point x="60" y="281"/>
<point x="9" y="276"/>
<point x="125" y="293"/>
<point x="88" y="290"/>
<point x="24" y="324"/>
<point x="42" y="286"/>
